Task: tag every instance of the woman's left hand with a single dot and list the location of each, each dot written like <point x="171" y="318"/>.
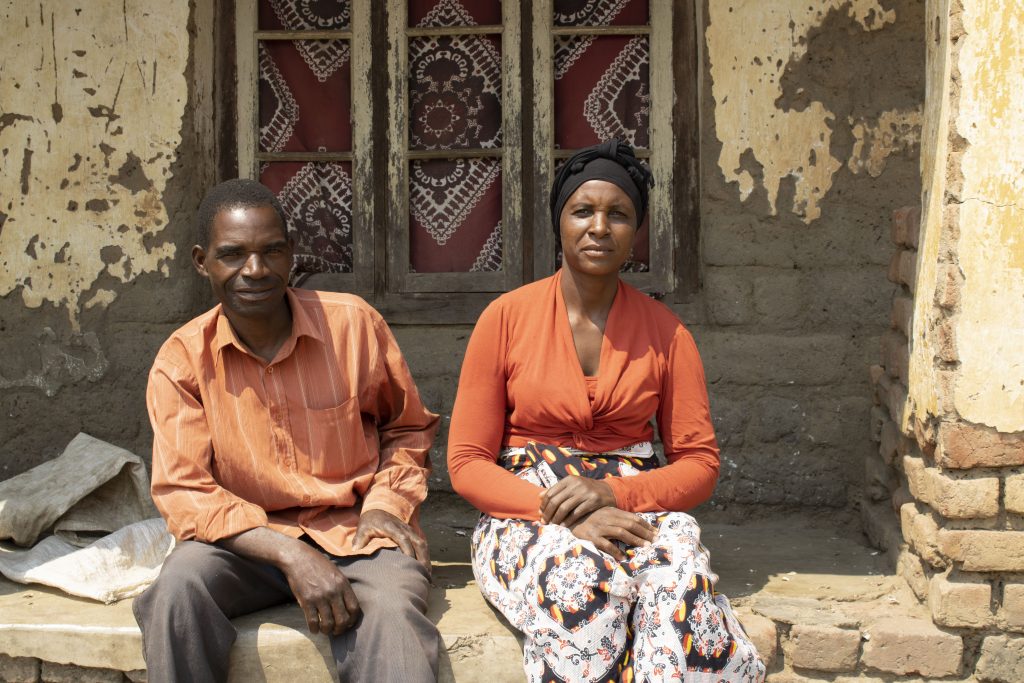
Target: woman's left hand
<point x="573" y="498"/>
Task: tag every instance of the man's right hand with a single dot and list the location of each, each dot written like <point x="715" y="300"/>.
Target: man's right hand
<point x="606" y="525"/>
<point x="321" y="589"/>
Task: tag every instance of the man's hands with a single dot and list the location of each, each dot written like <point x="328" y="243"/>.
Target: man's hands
<point x="322" y="591"/>
<point x="609" y="524"/>
<point x="380" y="524"/>
<point x="573" y="498"/>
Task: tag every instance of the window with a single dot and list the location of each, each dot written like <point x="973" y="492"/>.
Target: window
<point x="413" y="142"/>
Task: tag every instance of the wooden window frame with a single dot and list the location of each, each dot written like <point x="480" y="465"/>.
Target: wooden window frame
<point x="380" y="217"/>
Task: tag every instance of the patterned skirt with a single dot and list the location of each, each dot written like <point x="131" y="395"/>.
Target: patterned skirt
<point x="654" y="616"/>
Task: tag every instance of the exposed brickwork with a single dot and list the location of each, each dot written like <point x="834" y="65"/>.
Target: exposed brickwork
<point x="905" y="646"/>
<point x="762" y="632"/>
<point x="1002" y="660"/>
<point x="921" y="531"/>
<point x="906" y="226"/>
<point x="1013" y="497"/>
<point x="1011" y="613"/>
<point x="947" y="292"/>
<point x="825" y="648"/>
<point x="960" y="603"/>
<point x="963" y="445"/>
<point x="958" y="495"/>
<point x="984" y="551"/>
<point x="902" y="314"/>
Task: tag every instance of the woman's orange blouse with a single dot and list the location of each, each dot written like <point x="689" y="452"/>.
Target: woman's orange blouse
<point x="521" y="381"/>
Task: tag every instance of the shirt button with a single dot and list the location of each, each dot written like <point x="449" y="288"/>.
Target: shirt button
<point x="270" y="369"/>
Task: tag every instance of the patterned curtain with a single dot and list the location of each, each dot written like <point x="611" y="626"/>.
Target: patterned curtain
<point x="305" y="90"/>
<point x="455" y="103"/>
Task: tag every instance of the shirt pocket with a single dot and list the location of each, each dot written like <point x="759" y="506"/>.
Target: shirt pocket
<point x="337" y="447"/>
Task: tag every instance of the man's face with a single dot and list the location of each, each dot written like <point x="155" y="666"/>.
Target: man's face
<point x="247" y="261"/>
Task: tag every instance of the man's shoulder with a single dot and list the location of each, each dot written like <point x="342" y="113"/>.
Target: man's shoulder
<point x="190" y="339"/>
<point x="336" y="306"/>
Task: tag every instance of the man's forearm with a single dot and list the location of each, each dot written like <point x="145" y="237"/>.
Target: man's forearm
<point x="263" y="544"/>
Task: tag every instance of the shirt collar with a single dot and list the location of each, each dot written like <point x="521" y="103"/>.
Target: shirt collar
<point x="302" y="326"/>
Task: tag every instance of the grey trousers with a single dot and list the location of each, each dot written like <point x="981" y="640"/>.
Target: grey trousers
<point x="187" y="633"/>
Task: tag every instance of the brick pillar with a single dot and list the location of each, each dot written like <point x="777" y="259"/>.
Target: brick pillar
<point x="945" y="494"/>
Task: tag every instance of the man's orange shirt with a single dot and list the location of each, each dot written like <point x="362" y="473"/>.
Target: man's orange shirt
<point x="332" y="426"/>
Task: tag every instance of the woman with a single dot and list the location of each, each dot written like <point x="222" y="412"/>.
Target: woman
<point x="602" y="572"/>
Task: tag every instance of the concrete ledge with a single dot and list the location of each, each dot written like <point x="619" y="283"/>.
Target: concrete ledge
<point x="273" y="645"/>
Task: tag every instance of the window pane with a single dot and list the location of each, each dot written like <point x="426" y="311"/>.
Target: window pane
<point x="435" y="13"/>
<point x="601" y="90"/>
<point x="601" y="12"/>
<point x="305" y="91"/>
<point x="305" y="15"/>
<point x="455" y="92"/>
<point x="318" y="200"/>
<point x="455" y="215"/>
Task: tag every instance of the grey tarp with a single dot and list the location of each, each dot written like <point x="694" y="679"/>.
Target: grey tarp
<point x="93" y="489"/>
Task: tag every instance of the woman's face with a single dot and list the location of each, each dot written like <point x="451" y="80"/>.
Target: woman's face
<point x="597" y="228"/>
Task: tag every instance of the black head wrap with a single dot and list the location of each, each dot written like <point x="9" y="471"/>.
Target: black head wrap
<point x="613" y="161"/>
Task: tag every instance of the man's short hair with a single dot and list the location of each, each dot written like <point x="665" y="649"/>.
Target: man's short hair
<point x="232" y="194"/>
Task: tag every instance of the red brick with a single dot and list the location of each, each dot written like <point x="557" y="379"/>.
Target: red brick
<point x="1013" y="496"/>
<point x="982" y="550"/>
<point x="825" y="648"/>
<point x="947" y="290"/>
<point x="906" y="226"/>
<point x="896" y="353"/>
<point x="889" y="442"/>
<point x="961" y="495"/>
<point x="893" y="274"/>
<point x="945" y="340"/>
<point x="960" y="604"/>
<point x="902" y="314"/>
<point x="1001" y="660"/>
<point x="1011" y="612"/>
<point x="908" y="269"/>
<point x="962" y="445"/>
<point x="905" y="646"/>
<point x="922" y="533"/>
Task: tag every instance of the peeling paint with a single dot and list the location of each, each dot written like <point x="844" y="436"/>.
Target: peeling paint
<point x="750" y="43"/>
<point x="84" y="65"/>
<point x="874" y="141"/>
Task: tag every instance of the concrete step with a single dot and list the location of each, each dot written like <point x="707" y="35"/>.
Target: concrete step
<point x="819" y="604"/>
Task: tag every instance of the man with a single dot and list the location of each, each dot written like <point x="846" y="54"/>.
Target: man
<point x="289" y="459"/>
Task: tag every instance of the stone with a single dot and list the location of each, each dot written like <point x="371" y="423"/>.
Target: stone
<point x="880" y="478"/>
<point x="67" y="673"/>
<point x="905" y="646"/>
<point x="945" y="341"/>
<point x="1001" y="660"/>
<point x="907" y="269"/>
<point x="1011" y="613"/>
<point x="915" y="471"/>
<point x="958" y="495"/>
<point x="984" y="551"/>
<point x="762" y="633"/>
<point x="1013" y="496"/>
<point x="960" y="604"/>
<point x="825" y="648"/>
<point x="963" y="445"/>
<point x="19" y="669"/>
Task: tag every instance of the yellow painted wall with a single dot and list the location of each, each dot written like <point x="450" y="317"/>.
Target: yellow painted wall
<point x="973" y="215"/>
<point x="990" y="327"/>
<point x="92" y="96"/>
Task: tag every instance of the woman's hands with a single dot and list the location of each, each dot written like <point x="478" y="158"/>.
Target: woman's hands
<point x="573" y="498"/>
<point x="609" y="524"/>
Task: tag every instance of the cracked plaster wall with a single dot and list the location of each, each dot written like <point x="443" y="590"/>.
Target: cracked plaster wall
<point x="101" y="111"/>
<point x="974" y="181"/>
